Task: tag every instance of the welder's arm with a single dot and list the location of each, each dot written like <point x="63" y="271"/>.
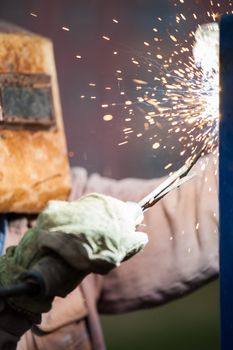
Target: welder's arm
<point x="70" y="240"/>
<point x="13" y="325"/>
<point x="182" y="253"/>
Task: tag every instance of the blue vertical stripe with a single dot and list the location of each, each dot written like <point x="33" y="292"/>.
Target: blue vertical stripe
<point x="226" y="181"/>
<point x="2" y="232"/>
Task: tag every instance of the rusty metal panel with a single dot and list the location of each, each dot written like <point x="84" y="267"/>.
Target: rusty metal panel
<point x="33" y="154"/>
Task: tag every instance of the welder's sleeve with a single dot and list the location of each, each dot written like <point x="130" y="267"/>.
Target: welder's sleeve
<point x="13" y="325"/>
<point x="182" y="253"/>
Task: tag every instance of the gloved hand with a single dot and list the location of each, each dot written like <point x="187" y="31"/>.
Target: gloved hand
<point x="93" y="234"/>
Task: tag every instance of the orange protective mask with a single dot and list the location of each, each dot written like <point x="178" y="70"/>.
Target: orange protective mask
<point x="33" y="156"/>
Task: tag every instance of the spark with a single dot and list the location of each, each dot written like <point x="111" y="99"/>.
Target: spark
<point x="122" y="143"/>
<point x="33" y="14"/>
<point x="168" y="166"/>
<point x="173" y="38"/>
<point x="107" y="117"/>
<point x="156" y="145"/>
<point x="66" y="29"/>
<point x="141" y="82"/>
<point x="176" y="86"/>
<point x="105" y="37"/>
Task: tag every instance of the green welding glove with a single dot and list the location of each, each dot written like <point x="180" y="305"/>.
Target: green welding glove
<point x="93" y="234"/>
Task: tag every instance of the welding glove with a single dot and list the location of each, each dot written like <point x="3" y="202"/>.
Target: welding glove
<point x="94" y="234"/>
